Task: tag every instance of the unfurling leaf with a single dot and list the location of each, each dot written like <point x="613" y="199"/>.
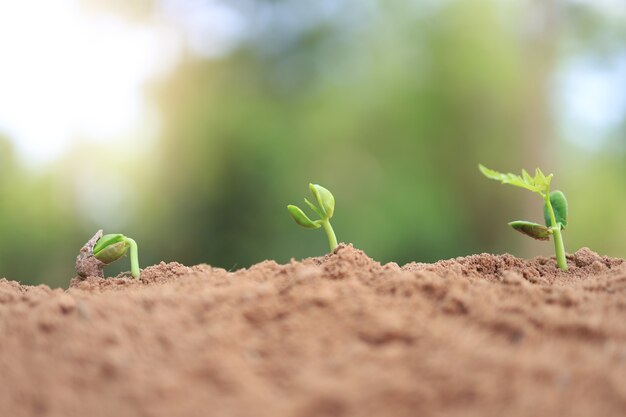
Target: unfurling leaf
<point x="534" y="230"/>
<point x="110" y="248"/>
<point x="539" y="184"/>
<point x="541" y="180"/>
<point x="301" y="218"/>
<point x="314" y="208"/>
<point x="107" y="240"/>
<point x="112" y="252"/>
<point x="559" y="205"/>
<point x="324" y="198"/>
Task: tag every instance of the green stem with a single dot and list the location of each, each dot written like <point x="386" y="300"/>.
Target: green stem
<point x="134" y="258"/>
<point x="559" y="247"/>
<point x="332" y="239"/>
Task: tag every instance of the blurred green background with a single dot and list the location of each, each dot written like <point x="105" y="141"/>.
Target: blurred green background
<point x="189" y="125"/>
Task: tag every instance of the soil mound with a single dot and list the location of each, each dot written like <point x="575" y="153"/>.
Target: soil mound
<point x="340" y="335"/>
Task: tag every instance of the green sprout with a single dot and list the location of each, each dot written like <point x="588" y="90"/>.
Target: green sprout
<point x="326" y="203"/>
<point x="554" y="208"/>
<point x="112" y="247"/>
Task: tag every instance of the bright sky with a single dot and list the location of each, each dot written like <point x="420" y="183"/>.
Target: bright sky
<point x="591" y="99"/>
<point x="67" y="74"/>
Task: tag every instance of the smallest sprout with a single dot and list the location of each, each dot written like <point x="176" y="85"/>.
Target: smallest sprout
<point x="110" y="248"/>
<point x="326" y="208"/>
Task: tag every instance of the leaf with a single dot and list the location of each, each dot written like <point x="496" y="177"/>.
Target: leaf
<point x="301" y="218"/>
<point x="534" y="230"/>
<point x="559" y="205"/>
<point x="324" y="198"/>
<point x="526" y="176"/>
<point x="314" y="208"/>
<point x="110" y="248"/>
<point x="542" y="181"/>
<point x="112" y="252"/>
<point x="539" y="184"/>
<point x="107" y="240"/>
<point x="526" y="182"/>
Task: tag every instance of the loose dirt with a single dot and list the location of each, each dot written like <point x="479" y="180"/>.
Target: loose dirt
<point x="340" y="335"/>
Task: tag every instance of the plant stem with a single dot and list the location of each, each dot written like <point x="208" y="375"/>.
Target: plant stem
<point x="559" y="247"/>
<point x="134" y="257"/>
<point x="332" y="239"/>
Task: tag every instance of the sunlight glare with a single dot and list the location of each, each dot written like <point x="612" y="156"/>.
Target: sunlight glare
<point x="67" y="74"/>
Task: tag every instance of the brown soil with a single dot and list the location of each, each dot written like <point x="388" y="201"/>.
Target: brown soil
<point x="340" y="335"/>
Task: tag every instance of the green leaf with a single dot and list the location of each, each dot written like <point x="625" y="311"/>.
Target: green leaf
<point x="539" y="184"/>
<point x="534" y="230"/>
<point x="539" y="176"/>
<point x="314" y="208"/>
<point x="107" y="240"/>
<point x="301" y="218"/>
<point x="110" y="248"/>
<point x="559" y="205"/>
<point x="542" y="181"/>
<point x="324" y="198"/>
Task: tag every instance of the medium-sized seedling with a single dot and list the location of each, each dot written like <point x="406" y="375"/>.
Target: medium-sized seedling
<point x="112" y="247"/>
<point x="554" y="208"/>
<point x="102" y="250"/>
<point x="325" y="209"/>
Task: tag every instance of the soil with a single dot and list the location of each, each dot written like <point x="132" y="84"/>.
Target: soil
<point x="341" y="335"/>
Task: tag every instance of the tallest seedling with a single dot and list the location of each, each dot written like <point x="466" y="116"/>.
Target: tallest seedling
<point x="554" y="208"/>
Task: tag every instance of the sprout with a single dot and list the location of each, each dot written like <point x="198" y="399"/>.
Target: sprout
<point x="554" y="208"/>
<point x="102" y="250"/>
<point x="110" y="248"/>
<point x="326" y="203"/>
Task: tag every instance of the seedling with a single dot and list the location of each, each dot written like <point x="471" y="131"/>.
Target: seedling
<point x="112" y="247"/>
<point x="554" y="208"/>
<point x="103" y="250"/>
<point x="326" y="203"/>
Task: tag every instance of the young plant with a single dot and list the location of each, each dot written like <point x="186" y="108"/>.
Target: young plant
<point x="326" y="203"/>
<point x="554" y="208"/>
<point x="112" y="247"/>
<point x="102" y="250"/>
